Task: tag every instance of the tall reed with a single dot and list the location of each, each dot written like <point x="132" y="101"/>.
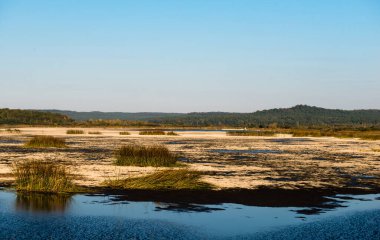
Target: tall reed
<point x="138" y="155"/>
<point x="42" y="176"/>
<point x="45" y="142"/>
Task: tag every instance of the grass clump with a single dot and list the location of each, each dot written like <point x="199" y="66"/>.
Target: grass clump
<point x="124" y="133"/>
<point x="95" y="133"/>
<point x="46" y="142"/>
<point x="251" y="133"/>
<point x="154" y="132"/>
<point x="42" y="176"/>
<point x="74" y="131"/>
<point x="171" y="133"/>
<point x="136" y="155"/>
<point x="163" y="180"/>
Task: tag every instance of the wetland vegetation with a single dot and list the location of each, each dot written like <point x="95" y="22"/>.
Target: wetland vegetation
<point x="46" y="142"/>
<point x="42" y="176"/>
<point x="178" y="179"/>
<point x="74" y="131"/>
<point x="139" y="155"/>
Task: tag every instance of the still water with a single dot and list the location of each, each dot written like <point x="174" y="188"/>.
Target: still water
<point x="28" y="216"/>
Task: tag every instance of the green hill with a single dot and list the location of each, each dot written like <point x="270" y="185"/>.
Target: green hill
<point x="30" y="117"/>
<point x="300" y="115"/>
<point x="139" y="116"/>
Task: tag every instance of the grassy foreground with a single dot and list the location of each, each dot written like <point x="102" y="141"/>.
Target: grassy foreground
<point x="137" y="155"/>
<point x="164" y="180"/>
<point x="42" y="176"/>
<point x="46" y="142"/>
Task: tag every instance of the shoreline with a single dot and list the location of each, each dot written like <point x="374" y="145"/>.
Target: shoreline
<point x="264" y="197"/>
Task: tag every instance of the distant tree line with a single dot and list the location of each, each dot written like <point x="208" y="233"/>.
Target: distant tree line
<point x="300" y="116"/>
<point x="30" y="117"/>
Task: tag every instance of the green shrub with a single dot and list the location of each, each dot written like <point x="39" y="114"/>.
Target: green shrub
<point x="45" y="142"/>
<point x="136" y="155"/>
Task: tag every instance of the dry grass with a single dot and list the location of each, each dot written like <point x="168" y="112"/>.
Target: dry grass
<point x="124" y="133"/>
<point x="45" y="142"/>
<point x="95" y="133"/>
<point x="163" y="180"/>
<point x="42" y="176"/>
<point x="137" y="155"/>
<point x="74" y="131"/>
<point x="366" y="135"/>
<point x="154" y="132"/>
<point x="9" y="130"/>
<point x="171" y="133"/>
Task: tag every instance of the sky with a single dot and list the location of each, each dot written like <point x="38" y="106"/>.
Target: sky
<point x="189" y="55"/>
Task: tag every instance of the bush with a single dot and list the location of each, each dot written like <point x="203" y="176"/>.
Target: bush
<point x="42" y="176"/>
<point x="74" y="131"/>
<point x="45" y="142"/>
<point x="134" y="155"/>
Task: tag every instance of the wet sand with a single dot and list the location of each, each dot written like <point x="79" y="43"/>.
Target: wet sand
<point x="280" y="162"/>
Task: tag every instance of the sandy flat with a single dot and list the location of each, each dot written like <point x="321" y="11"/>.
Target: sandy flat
<point x="226" y="161"/>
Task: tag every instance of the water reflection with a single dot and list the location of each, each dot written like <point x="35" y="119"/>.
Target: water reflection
<point x="45" y="203"/>
<point x="184" y="207"/>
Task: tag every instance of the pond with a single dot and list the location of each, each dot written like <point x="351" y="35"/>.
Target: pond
<point x="31" y="216"/>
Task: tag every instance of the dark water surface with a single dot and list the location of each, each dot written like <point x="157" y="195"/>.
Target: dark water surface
<point x="37" y="216"/>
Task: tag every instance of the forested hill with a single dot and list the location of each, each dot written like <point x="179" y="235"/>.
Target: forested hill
<point x="30" y="117"/>
<point x="139" y="116"/>
<point x="300" y="115"/>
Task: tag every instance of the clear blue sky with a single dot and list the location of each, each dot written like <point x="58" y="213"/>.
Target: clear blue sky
<point x="189" y="55"/>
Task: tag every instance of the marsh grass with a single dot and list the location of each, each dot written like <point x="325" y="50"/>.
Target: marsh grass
<point x="153" y="132"/>
<point x="124" y="133"/>
<point x="45" y="142"/>
<point x="42" y="176"/>
<point x="15" y="130"/>
<point x="171" y="133"/>
<point x="138" y="155"/>
<point x="366" y="135"/>
<point x="163" y="180"/>
<point x="95" y="133"/>
<point x="74" y="131"/>
<point x="250" y="133"/>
